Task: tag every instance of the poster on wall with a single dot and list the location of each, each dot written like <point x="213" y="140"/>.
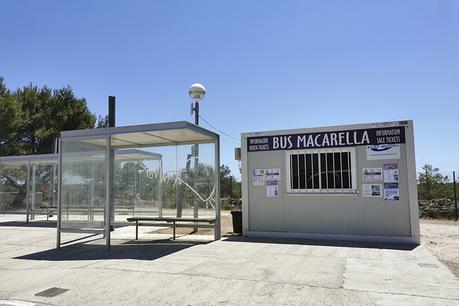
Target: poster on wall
<point x="383" y="151"/>
<point x="272" y="189"/>
<point x="272" y="174"/>
<point x="258" y="177"/>
<point x="391" y="177"/>
<point x="391" y="173"/>
<point x="371" y="190"/>
<point x="391" y="192"/>
<point x="372" y="174"/>
<point x="261" y="176"/>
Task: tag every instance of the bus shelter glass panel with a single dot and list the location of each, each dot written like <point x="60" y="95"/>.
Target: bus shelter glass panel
<point x="137" y="187"/>
<point x="188" y="181"/>
<point x="43" y="188"/>
<point x="83" y="183"/>
<point x="13" y="187"/>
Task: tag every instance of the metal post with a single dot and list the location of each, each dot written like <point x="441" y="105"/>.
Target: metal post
<point x="230" y="189"/>
<point x="92" y="194"/>
<point x="108" y="190"/>
<point x="53" y="199"/>
<point x="174" y="229"/>
<point x="135" y="190"/>
<point x="196" y="166"/>
<point x="160" y="191"/>
<point x="34" y="190"/>
<point x="217" y="229"/>
<point x="59" y="197"/>
<point x="50" y="189"/>
<point x="28" y="193"/>
<point x="455" y="195"/>
<point x="111" y="155"/>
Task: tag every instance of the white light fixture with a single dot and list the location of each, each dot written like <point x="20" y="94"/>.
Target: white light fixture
<point x="197" y="92"/>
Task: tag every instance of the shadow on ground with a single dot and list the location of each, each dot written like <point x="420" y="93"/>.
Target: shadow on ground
<point x="333" y="243"/>
<point x="30" y="224"/>
<point x="141" y="250"/>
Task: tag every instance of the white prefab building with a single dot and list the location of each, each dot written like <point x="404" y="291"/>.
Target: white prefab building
<point x="353" y="182"/>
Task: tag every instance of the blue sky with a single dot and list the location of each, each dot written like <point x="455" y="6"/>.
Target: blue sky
<point x="266" y="64"/>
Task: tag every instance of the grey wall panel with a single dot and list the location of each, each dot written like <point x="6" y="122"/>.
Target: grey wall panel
<point x="343" y="215"/>
<point x="303" y="214"/>
<point x="265" y="213"/>
<point x="387" y="220"/>
<point x="390" y="218"/>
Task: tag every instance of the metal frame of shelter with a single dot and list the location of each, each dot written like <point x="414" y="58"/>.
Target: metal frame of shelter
<point x="137" y="136"/>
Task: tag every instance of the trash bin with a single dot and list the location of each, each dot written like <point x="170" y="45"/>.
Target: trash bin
<point x="237" y="221"/>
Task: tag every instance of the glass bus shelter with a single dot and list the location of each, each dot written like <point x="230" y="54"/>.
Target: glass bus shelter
<point x="28" y="185"/>
<point x="176" y="174"/>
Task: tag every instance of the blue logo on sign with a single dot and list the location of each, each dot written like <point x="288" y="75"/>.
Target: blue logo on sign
<point x="380" y="148"/>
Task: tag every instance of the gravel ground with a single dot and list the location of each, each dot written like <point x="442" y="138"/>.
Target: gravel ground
<point x="441" y="237"/>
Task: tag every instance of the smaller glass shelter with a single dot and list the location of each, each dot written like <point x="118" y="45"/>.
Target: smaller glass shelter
<point x="28" y="185"/>
<point x="154" y="170"/>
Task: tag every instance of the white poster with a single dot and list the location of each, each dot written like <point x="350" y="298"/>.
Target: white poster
<point x="390" y="173"/>
<point x="391" y="192"/>
<point x="383" y="151"/>
<point x="372" y="174"/>
<point x="272" y="174"/>
<point x="371" y="190"/>
<point x="272" y="189"/>
<point x="258" y="177"/>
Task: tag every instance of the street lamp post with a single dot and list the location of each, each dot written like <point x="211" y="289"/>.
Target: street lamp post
<point x="197" y="92"/>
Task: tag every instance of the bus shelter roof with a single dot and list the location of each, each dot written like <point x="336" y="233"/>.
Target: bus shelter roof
<point x="158" y="134"/>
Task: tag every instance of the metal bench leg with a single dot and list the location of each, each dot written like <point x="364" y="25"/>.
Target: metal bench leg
<point x="136" y="230"/>
<point x="174" y="230"/>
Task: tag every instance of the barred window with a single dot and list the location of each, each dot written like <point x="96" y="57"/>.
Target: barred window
<point x="326" y="171"/>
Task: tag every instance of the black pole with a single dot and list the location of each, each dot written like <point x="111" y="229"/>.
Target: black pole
<point x="196" y="113"/>
<point x="111" y="178"/>
<point x="111" y="111"/>
<point x="231" y="188"/>
<point x="455" y="196"/>
<point x="196" y="166"/>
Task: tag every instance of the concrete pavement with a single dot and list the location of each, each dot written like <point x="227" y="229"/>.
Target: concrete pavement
<point x="191" y="271"/>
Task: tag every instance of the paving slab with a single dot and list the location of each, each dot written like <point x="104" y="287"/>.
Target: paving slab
<point x="423" y="276"/>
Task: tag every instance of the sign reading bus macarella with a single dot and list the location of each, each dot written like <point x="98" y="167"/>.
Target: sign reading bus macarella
<point x="333" y="139"/>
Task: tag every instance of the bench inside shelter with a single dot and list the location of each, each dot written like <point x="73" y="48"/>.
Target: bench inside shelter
<point x="171" y="221"/>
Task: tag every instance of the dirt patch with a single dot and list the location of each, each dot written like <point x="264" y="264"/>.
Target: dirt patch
<point x="439" y="221"/>
<point x="226" y="226"/>
<point x="441" y="237"/>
